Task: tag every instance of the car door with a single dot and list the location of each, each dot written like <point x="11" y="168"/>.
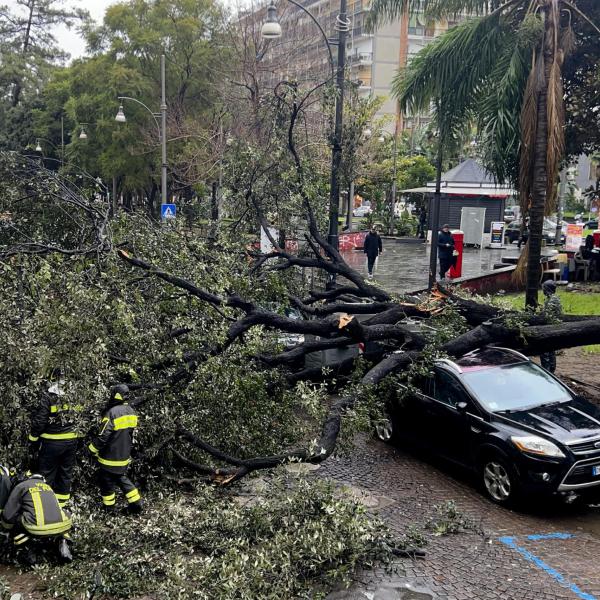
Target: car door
<point x="411" y="411"/>
<point x="454" y="416"/>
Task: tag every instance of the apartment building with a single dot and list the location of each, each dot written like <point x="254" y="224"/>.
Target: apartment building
<point x="373" y="58"/>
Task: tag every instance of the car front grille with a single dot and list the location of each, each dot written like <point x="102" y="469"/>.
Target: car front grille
<point x="581" y="474"/>
<point x="587" y="447"/>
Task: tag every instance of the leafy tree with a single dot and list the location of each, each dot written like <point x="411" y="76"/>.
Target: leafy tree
<point x="27" y="45"/>
<point x="506" y="68"/>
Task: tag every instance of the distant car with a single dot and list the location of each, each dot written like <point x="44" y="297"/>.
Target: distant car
<point x="497" y="413"/>
<point x="512" y="231"/>
<point x="362" y="211"/>
<point x="510" y="214"/>
<point x="593" y="224"/>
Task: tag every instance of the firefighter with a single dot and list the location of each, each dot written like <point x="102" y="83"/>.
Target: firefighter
<point x="53" y="438"/>
<point x="32" y="511"/>
<point x="112" y="448"/>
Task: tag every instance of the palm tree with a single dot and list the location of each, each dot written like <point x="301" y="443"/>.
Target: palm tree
<point x="503" y="69"/>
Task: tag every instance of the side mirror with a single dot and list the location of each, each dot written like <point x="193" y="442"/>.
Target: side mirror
<point x="462" y="407"/>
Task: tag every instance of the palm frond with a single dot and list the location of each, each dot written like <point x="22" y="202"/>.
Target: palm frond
<point x="555" y="109"/>
<point x="500" y="107"/>
<point x="386" y="11"/>
<point x="440" y="9"/>
<point x="529" y="119"/>
<point x="452" y="67"/>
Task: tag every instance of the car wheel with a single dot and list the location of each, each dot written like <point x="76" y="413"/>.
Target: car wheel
<point x="384" y="429"/>
<point x="499" y="480"/>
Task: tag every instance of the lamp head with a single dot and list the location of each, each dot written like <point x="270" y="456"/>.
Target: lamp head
<point x="381" y="139"/>
<point x="271" y="29"/>
<point x="121" y="118"/>
<point x="38" y="148"/>
<point x="83" y="135"/>
<point x="367" y="133"/>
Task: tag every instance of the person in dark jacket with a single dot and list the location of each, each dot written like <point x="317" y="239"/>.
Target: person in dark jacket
<point x="32" y="511"/>
<point x="112" y="448"/>
<point x="373" y="247"/>
<point x="587" y="253"/>
<point x="445" y="250"/>
<point x="422" y="226"/>
<point x="53" y="438"/>
<point x="552" y="311"/>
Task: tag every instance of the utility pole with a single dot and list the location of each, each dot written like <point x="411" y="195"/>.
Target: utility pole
<point x="163" y="113"/>
<point x="434" y="210"/>
<point x="342" y="26"/>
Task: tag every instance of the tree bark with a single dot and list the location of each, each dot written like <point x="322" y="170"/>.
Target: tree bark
<point x="540" y="175"/>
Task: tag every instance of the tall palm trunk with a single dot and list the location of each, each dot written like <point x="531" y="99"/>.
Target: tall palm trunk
<point x="545" y="158"/>
<point x="538" y="195"/>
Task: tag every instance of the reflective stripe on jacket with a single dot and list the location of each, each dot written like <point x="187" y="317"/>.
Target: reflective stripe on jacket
<point x="112" y="445"/>
<point x="54" y="418"/>
<point x="35" y="506"/>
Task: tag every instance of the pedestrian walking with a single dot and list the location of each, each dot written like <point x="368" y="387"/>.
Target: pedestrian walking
<point x="32" y="513"/>
<point x="373" y="247"/>
<point x="552" y="311"/>
<point x="112" y="448"/>
<point x="445" y="250"/>
<point x="54" y="439"/>
<point x="422" y="224"/>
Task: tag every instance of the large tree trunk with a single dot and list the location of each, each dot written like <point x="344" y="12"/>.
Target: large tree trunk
<point x="540" y="177"/>
<point x="16" y="95"/>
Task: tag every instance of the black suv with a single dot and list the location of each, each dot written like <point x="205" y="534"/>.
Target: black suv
<point x="517" y="426"/>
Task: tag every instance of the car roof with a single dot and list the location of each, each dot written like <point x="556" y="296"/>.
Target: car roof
<point x="484" y="358"/>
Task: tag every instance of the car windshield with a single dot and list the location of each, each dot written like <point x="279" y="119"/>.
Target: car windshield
<point x="515" y="387"/>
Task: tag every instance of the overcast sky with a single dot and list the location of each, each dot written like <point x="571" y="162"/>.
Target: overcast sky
<point x="69" y="40"/>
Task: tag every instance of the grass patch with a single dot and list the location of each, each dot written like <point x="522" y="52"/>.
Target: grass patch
<point x="574" y="303"/>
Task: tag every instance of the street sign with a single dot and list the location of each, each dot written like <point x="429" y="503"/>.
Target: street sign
<point x="168" y="211"/>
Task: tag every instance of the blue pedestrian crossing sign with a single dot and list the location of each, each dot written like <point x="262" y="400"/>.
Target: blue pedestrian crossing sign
<point x="168" y="211"/>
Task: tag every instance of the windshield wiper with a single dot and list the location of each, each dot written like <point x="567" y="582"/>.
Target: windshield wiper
<point x="525" y="408"/>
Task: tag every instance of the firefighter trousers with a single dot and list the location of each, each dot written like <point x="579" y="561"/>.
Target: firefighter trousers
<point x="109" y="482"/>
<point x="56" y="461"/>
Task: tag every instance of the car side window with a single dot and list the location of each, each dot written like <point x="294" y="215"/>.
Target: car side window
<point x="448" y="390"/>
<point x="424" y="384"/>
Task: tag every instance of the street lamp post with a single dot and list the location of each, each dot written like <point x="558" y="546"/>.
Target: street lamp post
<point x="162" y="126"/>
<point x="271" y="30"/>
<point x="435" y="213"/>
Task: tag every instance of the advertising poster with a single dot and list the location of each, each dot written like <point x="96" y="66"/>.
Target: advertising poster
<point x="497" y="234"/>
<point x="574" y="237"/>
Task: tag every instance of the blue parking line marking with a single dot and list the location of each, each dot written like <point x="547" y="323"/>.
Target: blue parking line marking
<point x="549" y="536"/>
<point x="538" y="562"/>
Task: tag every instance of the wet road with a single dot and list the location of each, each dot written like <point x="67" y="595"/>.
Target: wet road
<point x="547" y="552"/>
<point x="404" y="267"/>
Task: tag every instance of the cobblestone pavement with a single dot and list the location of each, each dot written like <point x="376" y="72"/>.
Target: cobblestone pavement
<point x="548" y="553"/>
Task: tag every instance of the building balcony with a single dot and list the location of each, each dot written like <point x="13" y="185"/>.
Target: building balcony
<point x="361" y="59"/>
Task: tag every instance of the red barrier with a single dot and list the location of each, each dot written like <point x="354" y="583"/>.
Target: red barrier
<point x="597" y="239"/>
<point x="456" y="269"/>
<point x="351" y="241"/>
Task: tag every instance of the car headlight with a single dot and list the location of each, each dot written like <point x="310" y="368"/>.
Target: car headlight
<point x="532" y="444"/>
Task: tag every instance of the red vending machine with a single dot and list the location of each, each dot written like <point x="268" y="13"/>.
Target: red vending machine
<point x="456" y="269"/>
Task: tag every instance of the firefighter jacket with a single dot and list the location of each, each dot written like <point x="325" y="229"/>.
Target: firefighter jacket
<point x="34" y="506"/>
<point x="112" y="445"/>
<point x="54" y="418"/>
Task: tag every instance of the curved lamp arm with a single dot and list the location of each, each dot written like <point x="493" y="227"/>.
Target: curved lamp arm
<point x="327" y="42"/>
<point x="154" y="115"/>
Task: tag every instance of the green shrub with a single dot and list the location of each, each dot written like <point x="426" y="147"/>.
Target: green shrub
<point x="297" y="540"/>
